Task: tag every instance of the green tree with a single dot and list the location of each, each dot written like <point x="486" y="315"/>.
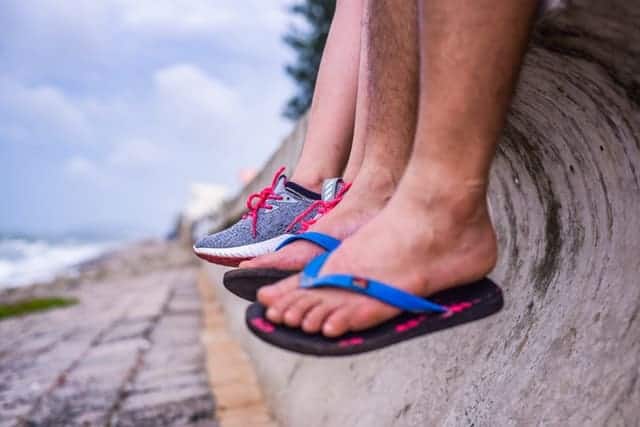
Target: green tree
<point x="308" y="44"/>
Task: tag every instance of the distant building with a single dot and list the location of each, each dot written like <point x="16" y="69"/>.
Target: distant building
<point x="202" y="212"/>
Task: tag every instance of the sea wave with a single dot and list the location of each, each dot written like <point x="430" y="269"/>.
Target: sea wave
<point x="24" y="260"/>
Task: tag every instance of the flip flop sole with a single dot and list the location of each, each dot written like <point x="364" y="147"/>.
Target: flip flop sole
<point x="465" y="303"/>
<point x="245" y="282"/>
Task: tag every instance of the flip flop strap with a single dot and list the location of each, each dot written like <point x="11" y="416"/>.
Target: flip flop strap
<point x="311" y="270"/>
<point x="325" y="241"/>
<point x="372" y="288"/>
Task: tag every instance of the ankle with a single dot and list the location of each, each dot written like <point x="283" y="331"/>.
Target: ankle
<point x="308" y="181"/>
<point x="462" y="201"/>
<point x="377" y="183"/>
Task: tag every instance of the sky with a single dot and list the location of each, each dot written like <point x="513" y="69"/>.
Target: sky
<point x="111" y="109"/>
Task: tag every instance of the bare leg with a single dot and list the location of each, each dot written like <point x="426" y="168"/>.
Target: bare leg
<point x="330" y="131"/>
<point x="384" y="126"/>
<point x="435" y="233"/>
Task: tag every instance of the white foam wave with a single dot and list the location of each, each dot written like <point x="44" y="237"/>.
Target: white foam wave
<point x="25" y="261"/>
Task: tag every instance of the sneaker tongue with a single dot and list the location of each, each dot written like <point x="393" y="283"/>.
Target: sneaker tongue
<point x="331" y="187"/>
<point x="280" y="185"/>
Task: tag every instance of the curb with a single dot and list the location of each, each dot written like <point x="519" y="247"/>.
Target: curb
<point x="238" y="397"/>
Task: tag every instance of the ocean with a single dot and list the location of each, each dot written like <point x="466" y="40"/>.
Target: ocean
<point x="28" y="259"/>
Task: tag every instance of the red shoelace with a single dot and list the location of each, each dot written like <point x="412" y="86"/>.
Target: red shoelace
<point x="260" y="200"/>
<point x="323" y="207"/>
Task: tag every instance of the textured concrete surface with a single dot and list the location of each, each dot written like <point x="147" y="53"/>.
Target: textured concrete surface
<point x="565" y="197"/>
<point x="129" y="354"/>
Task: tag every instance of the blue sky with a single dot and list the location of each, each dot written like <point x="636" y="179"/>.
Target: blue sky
<point x="110" y="109"/>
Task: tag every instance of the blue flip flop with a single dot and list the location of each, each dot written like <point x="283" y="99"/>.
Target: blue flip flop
<point x="245" y="282"/>
<point x="420" y="316"/>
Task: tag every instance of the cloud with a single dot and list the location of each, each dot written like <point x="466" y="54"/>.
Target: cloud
<point x="80" y="166"/>
<point x="187" y="91"/>
<point x="26" y="109"/>
<point x="172" y="18"/>
<point x="96" y="23"/>
<point x="240" y="21"/>
<point x="137" y="153"/>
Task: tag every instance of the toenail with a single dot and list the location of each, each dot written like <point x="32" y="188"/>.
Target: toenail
<point x="290" y="316"/>
<point x="265" y="292"/>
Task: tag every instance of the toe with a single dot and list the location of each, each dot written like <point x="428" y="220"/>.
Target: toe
<point x="268" y="295"/>
<point x="262" y="261"/>
<point x="292" y="257"/>
<point x="368" y="313"/>
<point x="314" y="318"/>
<point x="295" y="313"/>
<point x="276" y="311"/>
<point x="337" y="323"/>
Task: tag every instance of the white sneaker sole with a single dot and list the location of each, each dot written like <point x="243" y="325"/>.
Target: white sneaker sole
<point x="228" y="256"/>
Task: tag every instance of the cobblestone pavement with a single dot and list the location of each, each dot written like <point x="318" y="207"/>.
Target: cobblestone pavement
<point x="129" y="354"/>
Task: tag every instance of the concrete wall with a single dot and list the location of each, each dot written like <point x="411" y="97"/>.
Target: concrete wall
<point x="565" y="196"/>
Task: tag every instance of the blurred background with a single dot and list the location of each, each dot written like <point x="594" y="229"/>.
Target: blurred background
<point x="115" y="115"/>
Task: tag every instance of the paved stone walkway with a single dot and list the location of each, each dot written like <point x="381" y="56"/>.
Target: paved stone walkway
<point x="129" y="354"/>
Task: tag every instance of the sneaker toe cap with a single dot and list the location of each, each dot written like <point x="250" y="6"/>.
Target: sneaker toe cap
<point x="212" y="241"/>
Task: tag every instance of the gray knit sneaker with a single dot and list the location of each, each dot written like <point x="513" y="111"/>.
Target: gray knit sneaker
<point x="274" y="214"/>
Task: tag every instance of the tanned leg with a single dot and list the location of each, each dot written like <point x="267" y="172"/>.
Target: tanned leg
<point x="435" y="233"/>
<point x="384" y="127"/>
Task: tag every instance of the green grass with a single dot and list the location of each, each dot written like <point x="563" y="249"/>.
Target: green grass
<point x="33" y="305"/>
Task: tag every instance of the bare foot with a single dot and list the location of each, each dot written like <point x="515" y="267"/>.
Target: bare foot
<point x="365" y="198"/>
<point x="422" y="244"/>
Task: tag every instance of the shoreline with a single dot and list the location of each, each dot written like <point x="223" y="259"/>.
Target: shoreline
<point x="131" y="259"/>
